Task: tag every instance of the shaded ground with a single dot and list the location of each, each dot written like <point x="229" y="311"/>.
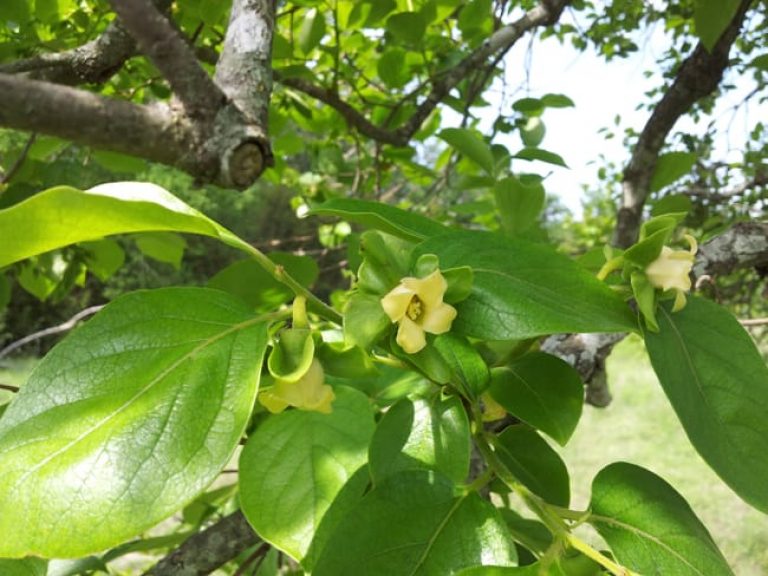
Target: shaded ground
<point x="641" y="427"/>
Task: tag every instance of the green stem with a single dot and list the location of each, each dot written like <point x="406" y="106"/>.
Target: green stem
<point x="598" y="557"/>
<point x="279" y="274"/>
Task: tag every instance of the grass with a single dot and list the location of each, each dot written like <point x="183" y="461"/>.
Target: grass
<point x="641" y="427"/>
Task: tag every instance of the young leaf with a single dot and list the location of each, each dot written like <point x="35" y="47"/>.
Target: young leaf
<point x="407" y="225"/>
<point x="296" y="464"/>
<point x="471" y="145"/>
<point x="670" y="167"/>
<point x="717" y="382"/>
<point x="415" y="523"/>
<point x="468" y="369"/>
<point x="541" y="155"/>
<point x="650" y="528"/>
<point x="532" y="461"/>
<point x="62" y="216"/>
<point x="521" y="289"/>
<point x="543" y="391"/>
<point x="424" y="434"/>
<point x="140" y="409"/>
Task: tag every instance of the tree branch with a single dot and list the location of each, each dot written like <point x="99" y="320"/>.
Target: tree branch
<point x="546" y="13"/>
<point x="171" y="54"/>
<point x="699" y="75"/>
<point x="8" y="176"/>
<point x="202" y="553"/>
<point x="151" y="132"/>
<point x="244" y="73"/>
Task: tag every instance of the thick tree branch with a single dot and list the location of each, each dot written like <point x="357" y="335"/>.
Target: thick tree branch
<point x="546" y="13"/>
<point x="699" y="75"/>
<point x="244" y="73"/>
<point x="92" y="63"/>
<point x="151" y="132"/>
<point x="202" y="553"/>
<point x="175" y="59"/>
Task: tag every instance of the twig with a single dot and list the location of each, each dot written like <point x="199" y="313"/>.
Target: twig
<point x="258" y="553"/>
<point x="63" y="327"/>
<point x="753" y="321"/>
<point x="8" y="176"/>
<point x="10" y="388"/>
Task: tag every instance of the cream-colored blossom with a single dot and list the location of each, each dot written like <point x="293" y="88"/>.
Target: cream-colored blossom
<point x="307" y="393"/>
<point x="672" y="269"/>
<point x="416" y="304"/>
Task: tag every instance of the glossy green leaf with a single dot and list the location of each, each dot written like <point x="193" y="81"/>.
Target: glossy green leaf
<point x="104" y="258"/>
<point x="428" y="433"/>
<point x="139" y="409"/>
<point x="541" y="155"/>
<point x="416" y="523"/>
<point x="166" y="247"/>
<point x="671" y="167"/>
<point x="542" y="390"/>
<point x="62" y="216"/>
<point x="711" y="18"/>
<point x="468" y="369"/>
<point x="406" y="225"/>
<point x="717" y="382"/>
<point x="534" y="463"/>
<point x="364" y="320"/>
<point x="296" y="464"/>
<point x="650" y="528"/>
<point x="521" y="289"/>
<point x="518" y="205"/>
<point x="248" y="280"/>
<point x="23" y="567"/>
<point x="567" y="566"/>
<point x="312" y="30"/>
<point x="469" y="143"/>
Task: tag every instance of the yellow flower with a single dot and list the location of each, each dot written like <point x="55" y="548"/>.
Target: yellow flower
<point x="416" y="304"/>
<point x="307" y="393"/>
<point x="671" y="271"/>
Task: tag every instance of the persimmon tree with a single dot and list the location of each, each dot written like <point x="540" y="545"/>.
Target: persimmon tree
<point x="404" y="426"/>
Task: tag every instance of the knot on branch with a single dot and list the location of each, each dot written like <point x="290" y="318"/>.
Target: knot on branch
<point x="246" y="163"/>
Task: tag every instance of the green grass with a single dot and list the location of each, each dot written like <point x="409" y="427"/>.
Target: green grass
<point x="641" y="427"/>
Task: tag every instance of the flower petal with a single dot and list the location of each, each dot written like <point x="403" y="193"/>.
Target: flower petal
<point x="430" y="290"/>
<point x="396" y="302"/>
<point x="410" y="336"/>
<point x="272" y="401"/>
<point x="671" y="270"/>
<point x="438" y="320"/>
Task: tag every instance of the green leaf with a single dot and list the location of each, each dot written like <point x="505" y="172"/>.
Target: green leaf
<point x="717" y="382"/>
<point x="14" y="11"/>
<point x="164" y="247"/>
<point x="650" y="528"/>
<point x="711" y="18"/>
<point x="528" y="106"/>
<point x="671" y="167"/>
<point x="532" y="132"/>
<point x="541" y="155"/>
<point x="415" y="523"/>
<point x="469" y="143"/>
<point x="409" y="27"/>
<point x="392" y="69"/>
<point x="62" y="216"/>
<point x="407" y="225"/>
<point x="312" y="30"/>
<point x="521" y="289"/>
<point x="41" y="276"/>
<point x="532" y="461"/>
<point x="519" y="205"/>
<point x="578" y="565"/>
<point x="119" y="163"/>
<point x="248" y="280"/>
<point x="542" y="390"/>
<point x="140" y="409"/>
<point x="557" y="101"/>
<point x="674" y="203"/>
<point x="364" y="320"/>
<point x="645" y="296"/>
<point x="474" y="16"/>
<point x="428" y="434"/>
<point x="468" y="369"/>
<point x="105" y="257"/>
<point x="294" y="467"/>
<point x="23" y="567"/>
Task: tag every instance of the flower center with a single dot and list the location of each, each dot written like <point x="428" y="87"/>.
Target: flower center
<point x="415" y="308"/>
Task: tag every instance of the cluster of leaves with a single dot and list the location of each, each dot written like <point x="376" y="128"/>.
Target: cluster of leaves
<point x="128" y="419"/>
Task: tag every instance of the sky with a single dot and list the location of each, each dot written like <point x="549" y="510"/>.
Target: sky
<point x="600" y="91"/>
